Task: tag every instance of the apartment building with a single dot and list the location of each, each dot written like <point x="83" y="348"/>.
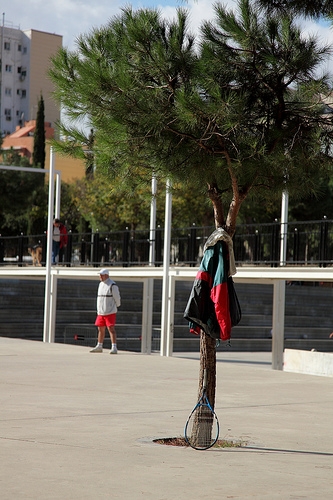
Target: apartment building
<point x="25" y="59"/>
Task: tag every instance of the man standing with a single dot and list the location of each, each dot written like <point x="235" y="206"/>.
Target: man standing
<point x="108" y="301"/>
<point x="59" y="239"/>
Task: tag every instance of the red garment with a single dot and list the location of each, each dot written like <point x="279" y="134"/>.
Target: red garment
<point x="208" y="305"/>
<point x="63" y="236"/>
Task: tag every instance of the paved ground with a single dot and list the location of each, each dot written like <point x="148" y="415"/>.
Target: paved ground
<point x="75" y="425"/>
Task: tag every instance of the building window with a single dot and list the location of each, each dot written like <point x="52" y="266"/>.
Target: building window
<point x="24" y="50"/>
<point x="19" y="47"/>
<point x="8" y="114"/>
<point x="19" y="69"/>
<point x="7" y="45"/>
<point x="24" y="94"/>
<point x="8" y="91"/>
<point x="8" y="68"/>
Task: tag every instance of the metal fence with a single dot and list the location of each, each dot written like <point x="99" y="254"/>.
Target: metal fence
<point x="307" y="243"/>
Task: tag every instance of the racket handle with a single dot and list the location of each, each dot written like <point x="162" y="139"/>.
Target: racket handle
<point x="204" y="385"/>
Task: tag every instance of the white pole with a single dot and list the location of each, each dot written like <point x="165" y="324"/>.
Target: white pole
<point x="152" y="232"/>
<point x="171" y="315"/>
<point x="47" y="301"/>
<point x="54" y="280"/>
<point x="280" y="291"/>
<point x="166" y="265"/>
<point x="53" y="306"/>
<point x="284" y="227"/>
<point x="148" y="287"/>
<point x="147" y="315"/>
<point x="57" y="195"/>
<point x="279" y="299"/>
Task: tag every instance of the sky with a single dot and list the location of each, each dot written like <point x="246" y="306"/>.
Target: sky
<point x="71" y="18"/>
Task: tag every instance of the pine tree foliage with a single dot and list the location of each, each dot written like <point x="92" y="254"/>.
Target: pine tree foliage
<point x="238" y="110"/>
<point x="313" y="8"/>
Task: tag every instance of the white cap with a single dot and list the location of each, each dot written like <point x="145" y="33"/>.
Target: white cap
<point x="104" y="271"/>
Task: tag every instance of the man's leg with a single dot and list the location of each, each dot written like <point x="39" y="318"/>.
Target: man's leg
<point x="55" y="251"/>
<point x="113" y="337"/>
<point x="100" y="340"/>
<point x="101" y="334"/>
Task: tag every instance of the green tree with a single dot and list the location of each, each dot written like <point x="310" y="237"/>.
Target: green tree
<point x="315" y="8"/>
<point x="11" y="157"/>
<point x="243" y="114"/>
<point x="36" y="215"/>
<point x="23" y="203"/>
<point x="27" y="214"/>
<point x="39" y="136"/>
<point x="108" y="207"/>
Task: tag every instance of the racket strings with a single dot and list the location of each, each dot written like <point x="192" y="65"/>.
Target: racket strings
<point x="202" y="428"/>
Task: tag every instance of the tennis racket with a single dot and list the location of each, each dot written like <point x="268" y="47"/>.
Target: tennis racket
<point x="202" y="427"/>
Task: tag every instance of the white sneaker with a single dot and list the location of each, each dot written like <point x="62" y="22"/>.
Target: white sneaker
<point x="114" y="350"/>
<point x="97" y="349"/>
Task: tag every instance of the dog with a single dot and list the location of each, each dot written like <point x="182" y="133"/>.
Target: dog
<point x="36" y="253"/>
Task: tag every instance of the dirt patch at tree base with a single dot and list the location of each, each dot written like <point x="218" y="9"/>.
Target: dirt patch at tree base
<point x="181" y="441"/>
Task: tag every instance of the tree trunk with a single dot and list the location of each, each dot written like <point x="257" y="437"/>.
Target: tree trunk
<point x="215" y="196"/>
<point x="208" y="344"/>
<point x="208" y="362"/>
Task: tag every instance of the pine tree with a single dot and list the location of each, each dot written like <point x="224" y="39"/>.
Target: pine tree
<point x="39" y="136"/>
<point x="238" y="116"/>
<point x="243" y="114"/>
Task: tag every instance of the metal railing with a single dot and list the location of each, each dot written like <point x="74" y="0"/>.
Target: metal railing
<point x="307" y="243"/>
